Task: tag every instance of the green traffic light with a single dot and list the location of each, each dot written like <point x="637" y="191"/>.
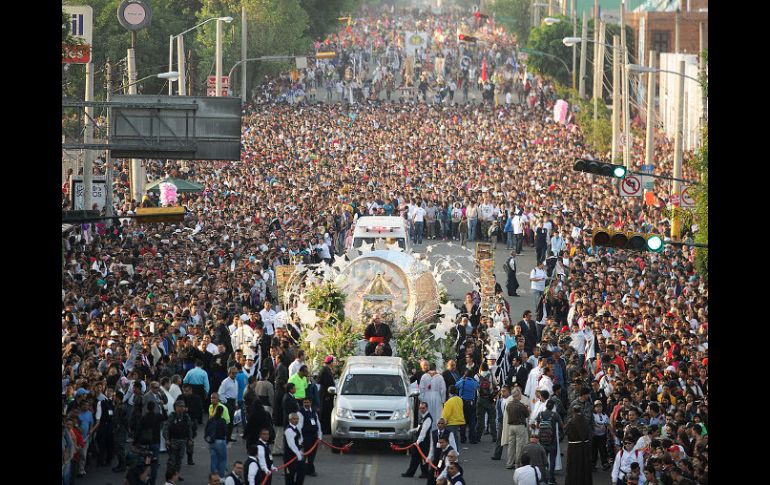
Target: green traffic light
<point x="655" y="244"/>
<point x="619" y="171"/>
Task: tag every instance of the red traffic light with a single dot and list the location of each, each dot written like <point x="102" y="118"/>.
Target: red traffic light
<point x="466" y="38"/>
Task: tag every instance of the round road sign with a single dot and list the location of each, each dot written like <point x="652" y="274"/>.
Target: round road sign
<point x="687" y="199"/>
<point x="631" y="186"/>
<point x="134" y="15"/>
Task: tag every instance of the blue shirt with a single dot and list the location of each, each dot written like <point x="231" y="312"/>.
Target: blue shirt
<point x="466" y="388"/>
<point x="86" y="419"/>
<point x="242" y="379"/>
<point x="197" y="376"/>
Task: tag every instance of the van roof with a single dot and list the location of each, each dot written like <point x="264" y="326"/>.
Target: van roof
<point x="388" y="221"/>
<point x="370" y="364"/>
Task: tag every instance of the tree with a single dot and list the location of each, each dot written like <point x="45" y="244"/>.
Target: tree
<point x="701" y="165"/>
<point x="515" y="15"/>
<point x="548" y="39"/>
<point x="323" y="15"/>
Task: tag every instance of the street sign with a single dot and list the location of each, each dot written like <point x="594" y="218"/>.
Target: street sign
<point x="75" y="54"/>
<point x="81" y="22"/>
<point x="631" y="186"/>
<point x="213" y="92"/>
<point x="212" y="83"/>
<point x="648" y="183"/>
<point x="688" y="200"/>
<point x="98" y="194"/>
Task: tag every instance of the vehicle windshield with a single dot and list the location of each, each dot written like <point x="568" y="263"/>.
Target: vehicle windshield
<point x="373" y="385"/>
<point x="357" y="242"/>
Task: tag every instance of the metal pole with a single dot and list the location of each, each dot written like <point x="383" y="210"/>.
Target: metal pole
<point x="599" y="66"/>
<point x="702" y="69"/>
<point x="170" y="63"/>
<point x="615" y="96"/>
<point x="137" y="179"/>
<point x="650" y="141"/>
<point x="583" y="45"/>
<point x="88" y="159"/>
<point x="244" y="53"/>
<point x="596" y="57"/>
<point x="219" y="59"/>
<point x="108" y="160"/>
<point x="574" y="47"/>
<point x="676" y="217"/>
<point x="180" y="65"/>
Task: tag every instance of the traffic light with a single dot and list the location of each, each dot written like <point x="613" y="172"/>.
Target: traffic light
<point x="325" y="55"/>
<point x="466" y="38"/>
<point x="599" y="168"/>
<point x="633" y="241"/>
<point x="145" y="215"/>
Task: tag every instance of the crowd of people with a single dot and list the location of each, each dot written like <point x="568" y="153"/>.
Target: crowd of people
<point x="169" y="330"/>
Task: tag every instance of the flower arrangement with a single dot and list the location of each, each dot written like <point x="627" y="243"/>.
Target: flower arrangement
<point x="328" y="300"/>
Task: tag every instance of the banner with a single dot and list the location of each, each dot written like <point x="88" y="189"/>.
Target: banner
<point x="439" y="66"/>
<point x="414" y="41"/>
<point x="560" y="110"/>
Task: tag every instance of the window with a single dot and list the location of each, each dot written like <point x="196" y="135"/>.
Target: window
<point x="660" y="40"/>
<point x="373" y="385"/>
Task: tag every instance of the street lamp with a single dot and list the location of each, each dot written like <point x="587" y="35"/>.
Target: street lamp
<point x="171" y="47"/>
<point x="638" y="69"/>
<point x="551" y="20"/>
<point x="171" y="76"/>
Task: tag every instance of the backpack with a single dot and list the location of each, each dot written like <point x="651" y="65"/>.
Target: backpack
<point x="545" y="432"/>
<point x="485" y="387"/>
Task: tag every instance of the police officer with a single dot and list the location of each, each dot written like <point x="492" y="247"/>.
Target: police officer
<point x="105" y="410"/>
<point x="292" y="447"/>
<point x="310" y="426"/>
<point x="178" y="431"/>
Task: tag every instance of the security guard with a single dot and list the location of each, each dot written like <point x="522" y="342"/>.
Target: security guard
<point x="178" y="431"/>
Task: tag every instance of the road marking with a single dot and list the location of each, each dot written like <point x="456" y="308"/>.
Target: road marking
<point x="367" y="471"/>
<point x="357" y="474"/>
<point x="375" y="465"/>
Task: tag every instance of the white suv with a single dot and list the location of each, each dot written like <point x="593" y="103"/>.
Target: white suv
<point x="372" y="401"/>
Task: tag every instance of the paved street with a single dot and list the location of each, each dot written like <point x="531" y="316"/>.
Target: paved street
<point x="375" y="463"/>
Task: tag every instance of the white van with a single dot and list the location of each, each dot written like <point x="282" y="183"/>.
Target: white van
<point x="372" y="401"/>
<point x="390" y="229"/>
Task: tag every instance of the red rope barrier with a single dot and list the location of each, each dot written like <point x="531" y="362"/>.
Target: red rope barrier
<point x="343" y="449"/>
<point x="394" y="447"/>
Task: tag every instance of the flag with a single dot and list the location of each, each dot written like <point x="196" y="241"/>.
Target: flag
<point x="484" y="69"/>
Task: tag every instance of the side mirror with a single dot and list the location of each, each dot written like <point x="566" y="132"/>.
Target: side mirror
<point x="414" y="393"/>
<point x="332" y="390"/>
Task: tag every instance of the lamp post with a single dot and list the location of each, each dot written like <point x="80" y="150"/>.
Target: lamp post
<point x="171" y="50"/>
<point x="171" y="76"/>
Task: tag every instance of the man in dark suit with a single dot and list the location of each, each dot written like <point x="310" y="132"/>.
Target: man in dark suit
<point x="520" y="371"/>
<point x="281" y="380"/>
<point x="267" y="368"/>
<point x="450" y="375"/>
<point x="529" y="330"/>
<point x="261" y="344"/>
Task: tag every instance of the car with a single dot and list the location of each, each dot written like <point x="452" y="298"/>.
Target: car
<point x="372" y="401"/>
<point x="390" y="229"/>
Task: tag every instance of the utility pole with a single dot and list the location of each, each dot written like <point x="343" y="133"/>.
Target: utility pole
<point x="88" y="138"/>
<point x="599" y="66"/>
<point x="574" y="47"/>
<point x="677" y="192"/>
<point x="650" y="141"/>
<point x="170" y="63"/>
<point x="181" y="66"/>
<point x="219" y="59"/>
<point x="191" y="77"/>
<point x="108" y="161"/>
<point x="137" y="177"/>
<point x="244" y="47"/>
<point x="702" y="72"/>
<point x="596" y="58"/>
<point x="583" y="45"/>
<point x="624" y="80"/>
<point x="615" y="96"/>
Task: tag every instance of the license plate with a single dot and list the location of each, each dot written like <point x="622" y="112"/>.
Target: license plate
<point x="372" y="433"/>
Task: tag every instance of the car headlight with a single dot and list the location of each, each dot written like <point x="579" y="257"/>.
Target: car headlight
<point x="344" y="413"/>
<point x="401" y="414"/>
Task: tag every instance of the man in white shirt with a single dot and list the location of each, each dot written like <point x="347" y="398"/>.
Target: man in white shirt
<point x="537" y="276"/>
<point x="419" y="222"/>
<point x="268" y="318"/>
<point x="518" y="230"/>
<point x="486" y="215"/>
<point x="292" y="437"/>
<point x="260" y="461"/>
<point x="557" y="243"/>
<point x="526" y="474"/>
<point x="242" y="335"/>
<point x="228" y="395"/>
<point x="298" y="363"/>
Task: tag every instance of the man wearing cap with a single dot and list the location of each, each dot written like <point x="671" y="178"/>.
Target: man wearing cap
<point x="178" y="431"/>
<point x="326" y="380"/>
<point x="600" y="423"/>
<point x="623" y="459"/>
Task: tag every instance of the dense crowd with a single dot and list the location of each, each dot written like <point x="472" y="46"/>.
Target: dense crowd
<point x="169" y="330"/>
